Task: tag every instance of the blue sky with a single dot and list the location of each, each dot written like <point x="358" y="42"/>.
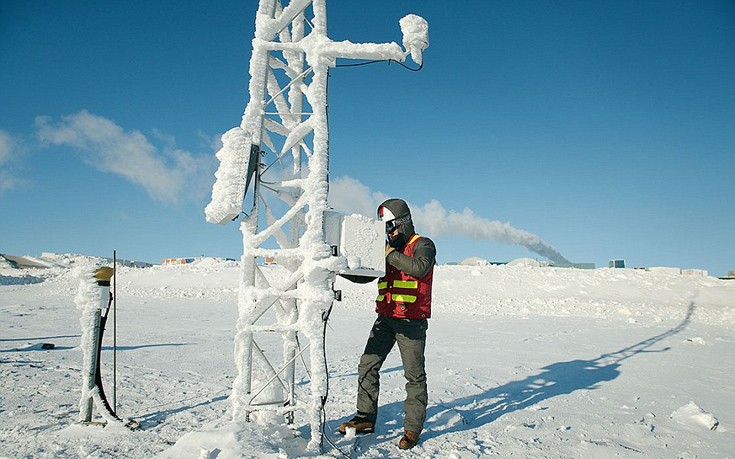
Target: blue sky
<point x="606" y="128"/>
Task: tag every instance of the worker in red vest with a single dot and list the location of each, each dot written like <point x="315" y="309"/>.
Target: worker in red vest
<point x="403" y="306"/>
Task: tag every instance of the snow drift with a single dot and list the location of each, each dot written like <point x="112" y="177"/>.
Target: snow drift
<point x="523" y="361"/>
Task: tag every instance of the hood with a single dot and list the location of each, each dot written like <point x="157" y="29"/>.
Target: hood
<point x="397" y="209"/>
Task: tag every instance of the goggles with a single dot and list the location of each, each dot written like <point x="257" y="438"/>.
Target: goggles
<point x="391" y="225"/>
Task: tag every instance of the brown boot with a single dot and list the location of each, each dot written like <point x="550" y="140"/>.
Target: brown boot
<point x="408" y="440"/>
<point x="361" y="424"/>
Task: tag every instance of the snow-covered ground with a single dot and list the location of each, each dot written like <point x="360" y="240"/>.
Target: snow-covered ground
<point x="522" y="361"/>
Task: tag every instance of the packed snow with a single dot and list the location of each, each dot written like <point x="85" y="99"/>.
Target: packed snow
<point x="523" y="361"/>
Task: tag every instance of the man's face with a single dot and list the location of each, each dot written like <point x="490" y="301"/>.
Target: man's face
<point x="393" y="234"/>
<point x="395" y="239"/>
<point x="393" y="229"/>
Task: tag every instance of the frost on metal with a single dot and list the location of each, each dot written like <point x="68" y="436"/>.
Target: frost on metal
<point x="415" y="36"/>
<point x="229" y="188"/>
<point x="87" y="301"/>
<point x="90" y="299"/>
<point x="285" y="122"/>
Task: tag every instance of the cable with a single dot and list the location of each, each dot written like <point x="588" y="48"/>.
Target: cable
<point x="359" y="64"/>
<point x="325" y="319"/>
<point x="363" y="63"/>
<point x="329" y="440"/>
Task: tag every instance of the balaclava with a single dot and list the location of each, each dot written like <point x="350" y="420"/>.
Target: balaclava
<point x="395" y="213"/>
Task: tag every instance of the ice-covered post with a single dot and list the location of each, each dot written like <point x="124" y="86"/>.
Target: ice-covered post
<point x="92" y="297"/>
<point x="281" y="147"/>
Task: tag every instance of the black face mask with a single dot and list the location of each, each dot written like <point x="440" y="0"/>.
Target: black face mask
<point x="397" y="242"/>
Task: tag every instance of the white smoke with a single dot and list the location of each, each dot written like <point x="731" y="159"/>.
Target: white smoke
<point x="348" y="196"/>
<point x="435" y="220"/>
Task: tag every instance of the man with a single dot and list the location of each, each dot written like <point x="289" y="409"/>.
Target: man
<point x="403" y="306"/>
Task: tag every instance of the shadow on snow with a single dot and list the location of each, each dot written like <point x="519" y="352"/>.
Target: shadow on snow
<point x="557" y="379"/>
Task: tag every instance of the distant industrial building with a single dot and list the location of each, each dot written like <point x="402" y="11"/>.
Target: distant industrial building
<point x="616" y="264"/>
<point x="189" y="260"/>
<point x="574" y="265"/>
<point x="177" y="261"/>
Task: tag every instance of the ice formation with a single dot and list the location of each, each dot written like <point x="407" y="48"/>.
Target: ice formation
<point x="286" y="118"/>
<point x="228" y="191"/>
<point x="89" y="299"/>
<point x="415" y="36"/>
<point x="693" y="415"/>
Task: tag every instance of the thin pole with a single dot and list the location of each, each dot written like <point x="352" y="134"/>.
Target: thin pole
<point x="114" y="331"/>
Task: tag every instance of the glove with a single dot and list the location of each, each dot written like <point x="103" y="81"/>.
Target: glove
<point x="388" y="249"/>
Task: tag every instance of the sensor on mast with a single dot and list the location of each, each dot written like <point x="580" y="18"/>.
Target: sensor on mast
<point x="415" y="36"/>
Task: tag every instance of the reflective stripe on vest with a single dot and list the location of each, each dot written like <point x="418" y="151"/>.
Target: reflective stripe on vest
<point x="404" y="298"/>
<point x="405" y="284"/>
<point x="413" y="238"/>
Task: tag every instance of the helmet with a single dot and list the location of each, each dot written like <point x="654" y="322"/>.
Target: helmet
<point x="396" y="215"/>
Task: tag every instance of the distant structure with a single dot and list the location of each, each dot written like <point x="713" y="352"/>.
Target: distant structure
<point x="525" y="261"/>
<point x="129" y="263"/>
<point x="574" y="265"/>
<point x="53" y="260"/>
<point x="474" y="261"/>
<point x="190" y="260"/>
<point x="695" y="272"/>
<point x="616" y="264"/>
<point x="177" y="261"/>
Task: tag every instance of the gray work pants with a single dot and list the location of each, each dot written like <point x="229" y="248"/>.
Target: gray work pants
<point x="411" y="338"/>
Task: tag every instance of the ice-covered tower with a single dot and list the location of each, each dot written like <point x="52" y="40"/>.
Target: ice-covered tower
<point x="279" y="156"/>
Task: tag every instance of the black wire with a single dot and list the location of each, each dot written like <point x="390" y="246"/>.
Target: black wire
<point x="359" y="64"/>
<point x="409" y="68"/>
<point x="325" y="436"/>
<point x="329" y="440"/>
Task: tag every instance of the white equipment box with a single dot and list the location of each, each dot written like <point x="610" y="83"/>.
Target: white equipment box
<point x="361" y="240"/>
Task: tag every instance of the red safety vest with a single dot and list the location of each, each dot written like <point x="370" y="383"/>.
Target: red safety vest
<point x="402" y="296"/>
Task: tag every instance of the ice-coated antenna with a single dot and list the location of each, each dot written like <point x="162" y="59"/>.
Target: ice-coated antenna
<point x="281" y="149"/>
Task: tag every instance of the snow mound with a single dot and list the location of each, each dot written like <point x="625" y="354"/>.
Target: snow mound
<point x="231" y="439"/>
<point x="474" y="261"/>
<point x="691" y="414"/>
<point x="525" y="262"/>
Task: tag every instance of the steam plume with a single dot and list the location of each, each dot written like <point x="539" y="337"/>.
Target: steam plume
<point x="434" y="219"/>
<point x="348" y="195"/>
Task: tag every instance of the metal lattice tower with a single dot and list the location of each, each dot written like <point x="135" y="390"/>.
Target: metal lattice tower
<point x="281" y="148"/>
